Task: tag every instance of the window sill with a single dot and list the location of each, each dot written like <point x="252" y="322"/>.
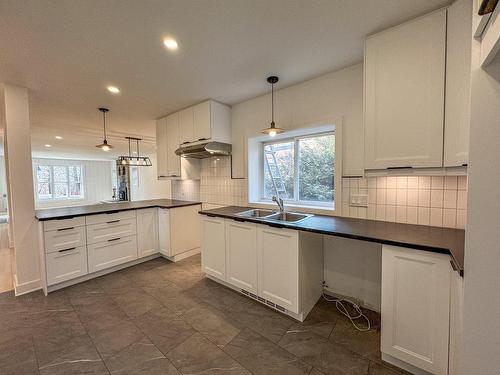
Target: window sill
<point x="319" y="210"/>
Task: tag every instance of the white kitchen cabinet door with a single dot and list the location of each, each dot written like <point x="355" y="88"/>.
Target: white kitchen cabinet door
<point x="161" y="148"/>
<point x="241" y="255"/>
<point x="202" y="121"/>
<point x="416" y="307"/>
<point x="111" y="229"/>
<point x="185" y="229"/>
<point x="111" y="253"/>
<point x="213" y="247"/>
<point x="164" y="231"/>
<point x="64" y="238"/>
<point x="66" y="264"/>
<point x="186" y="126"/>
<point x="456" y="323"/>
<point x="173" y="160"/>
<point x="404" y="94"/>
<point x="147" y="232"/>
<point x="458" y="74"/>
<point x="278" y="266"/>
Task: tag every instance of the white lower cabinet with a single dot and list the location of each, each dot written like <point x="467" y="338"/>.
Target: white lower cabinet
<point x="278" y="266"/>
<point x="111" y="253"/>
<point x="179" y="231"/>
<point x="415" y="308"/>
<point x="147" y="232"/>
<point x="282" y="267"/>
<point x="213" y="249"/>
<point x="456" y="323"/>
<point x="64" y="265"/>
<point x="241" y="255"/>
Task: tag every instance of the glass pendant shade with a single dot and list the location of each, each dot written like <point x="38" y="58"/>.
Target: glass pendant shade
<point x="272" y="130"/>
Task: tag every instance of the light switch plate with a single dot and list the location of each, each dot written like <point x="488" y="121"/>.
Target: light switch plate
<point x="358" y="200"/>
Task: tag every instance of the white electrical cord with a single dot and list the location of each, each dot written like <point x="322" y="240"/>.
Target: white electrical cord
<point x="339" y="304"/>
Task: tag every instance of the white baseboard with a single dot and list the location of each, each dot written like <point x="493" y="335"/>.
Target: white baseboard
<point x="181" y="256"/>
<point x="28" y="287"/>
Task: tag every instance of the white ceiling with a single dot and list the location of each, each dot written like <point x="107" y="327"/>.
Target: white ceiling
<point x="67" y="52"/>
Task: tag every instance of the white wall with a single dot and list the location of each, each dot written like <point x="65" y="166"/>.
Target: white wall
<point x="334" y="95"/>
<point x="482" y="250"/>
<point x="24" y="226"/>
<point x="96" y="181"/>
<point x="149" y="186"/>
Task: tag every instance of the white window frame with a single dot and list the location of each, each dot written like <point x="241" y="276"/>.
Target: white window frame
<point x="296" y="162"/>
<point x="254" y="164"/>
<point x="52" y="183"/>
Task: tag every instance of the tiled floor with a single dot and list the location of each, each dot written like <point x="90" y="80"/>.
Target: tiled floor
<point x="166" y="318"/>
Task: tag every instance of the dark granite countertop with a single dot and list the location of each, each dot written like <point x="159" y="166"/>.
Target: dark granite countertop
<point x="68" y="212"/>
<point x="438" y="240"/>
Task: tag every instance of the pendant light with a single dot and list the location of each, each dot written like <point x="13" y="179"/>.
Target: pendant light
<point x="138" y="161"/>
<point x="272" y="130"/>
<point x="104" y="145"/>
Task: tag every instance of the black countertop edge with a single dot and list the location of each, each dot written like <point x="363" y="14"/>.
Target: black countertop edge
<point x="95" y="209"/>
<point x="454" y="250"/>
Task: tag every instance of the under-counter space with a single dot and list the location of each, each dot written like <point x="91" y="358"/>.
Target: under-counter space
<point x="433" y="239"/>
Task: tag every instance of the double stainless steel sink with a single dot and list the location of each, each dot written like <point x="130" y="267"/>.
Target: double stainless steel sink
<point x="274" y="216"/>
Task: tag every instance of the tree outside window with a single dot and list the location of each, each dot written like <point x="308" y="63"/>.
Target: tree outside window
<point x="59" y="182"/>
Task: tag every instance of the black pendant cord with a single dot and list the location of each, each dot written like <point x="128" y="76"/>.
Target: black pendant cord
<point x="104" y="123"/>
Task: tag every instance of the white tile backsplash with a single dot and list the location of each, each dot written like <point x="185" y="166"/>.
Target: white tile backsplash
<point x="425" y="200"/>
<point x="437" y="200"/>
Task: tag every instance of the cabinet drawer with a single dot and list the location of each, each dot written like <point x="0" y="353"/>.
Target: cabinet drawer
<point x="64" y="223"/>
<point x="111" y="253"/>
<point x="110" y="230"/>
<point x="65" y="265"/>
<point x="104" y="218"/>
<point x="64" y="238"/>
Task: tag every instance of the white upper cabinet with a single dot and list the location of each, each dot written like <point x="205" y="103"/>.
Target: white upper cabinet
<point x="186" y="125"/>
<point x="202" y="121"/>
<point x="161" y="148"/>
<point x="173" y="161"/>
<point x="404" y="94"/>
<point x="458" y="73"/>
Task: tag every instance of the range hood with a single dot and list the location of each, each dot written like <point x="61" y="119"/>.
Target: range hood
<point x="204" y="150"/>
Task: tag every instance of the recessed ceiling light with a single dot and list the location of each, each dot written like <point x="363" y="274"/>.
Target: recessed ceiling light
<point x="170" y="43"/>
<point x="113" y="89"/>
<point x="47" y="145"/>
<point x="59" y="137"/>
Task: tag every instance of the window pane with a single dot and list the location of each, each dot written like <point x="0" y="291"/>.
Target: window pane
<point x="75" y="173"/>
<point x="43" y="190"/>
<point x="43" y="173"/>
<point x="60" y="174"/>
<point x="279" y="170"/>
<point x="316" y="168"/>
<point x="60" y="189"/>
<point x="75" y="190"/>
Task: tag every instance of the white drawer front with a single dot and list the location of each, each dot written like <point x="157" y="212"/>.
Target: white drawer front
<point x="64" y="238"/>
<point x="111" y="253"/>
<point x="111" y="229"/>
<point x="66" y="265"/>
<point x="104" y="218"/>
<point x="63" y="223"/>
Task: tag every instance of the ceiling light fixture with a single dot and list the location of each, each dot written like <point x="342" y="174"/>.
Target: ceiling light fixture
<point x="170" y="43"/>
<point x="140" y="161"/>
<point x="47" y="145"/>
<point x="113" y="89"/>
<point x="272" y="130"/>
<point x="59" y="137"/>
<point x="104" y="145"/>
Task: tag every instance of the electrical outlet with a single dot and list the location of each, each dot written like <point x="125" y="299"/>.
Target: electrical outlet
<point x="358" y="200"/>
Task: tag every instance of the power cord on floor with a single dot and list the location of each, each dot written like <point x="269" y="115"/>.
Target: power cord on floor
<point x="340" y="305"/>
